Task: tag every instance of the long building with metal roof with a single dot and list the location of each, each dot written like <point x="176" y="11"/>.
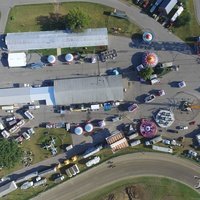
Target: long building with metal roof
<point x="23" y="95"/>
<point x="88" y="90"/>
<point x="24" y="41"/>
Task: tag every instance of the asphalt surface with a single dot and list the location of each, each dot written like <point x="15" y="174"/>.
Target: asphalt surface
<point x="127" y="166"/>
<point x="134" y="14"/>
<point x="129" y="55"/>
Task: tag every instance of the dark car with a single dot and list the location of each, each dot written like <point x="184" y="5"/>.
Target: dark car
<point x="172" y="131"/>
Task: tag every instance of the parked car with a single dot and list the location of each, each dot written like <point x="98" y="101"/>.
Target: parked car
<point x="140" y="67"/>
<point x="166" y="141"/>
<point x="30" y="131"/>
<point x="149" y="98"/>
<point x="10" y="118"/>
<point x="26" y="135"/>
<point x="116" y="118"/>
<point x="160" y="92"/>
<point x="133" y="107"/>
<point x="182" y="127"/>
<point x="181" y="84"/>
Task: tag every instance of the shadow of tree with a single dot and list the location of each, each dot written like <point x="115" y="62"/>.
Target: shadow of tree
<point x="54" y="21"/>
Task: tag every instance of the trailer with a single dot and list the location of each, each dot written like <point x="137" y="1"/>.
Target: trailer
<point x="162" y="149"/>
<point x="154" y="140"/>
<point x="7" y="107"/>
<point x="134" y="135"/>
<point x="135" y="143"/>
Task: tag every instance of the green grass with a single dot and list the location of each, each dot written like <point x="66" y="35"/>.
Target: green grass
<point x="20" y="19"/>
<point x="34" y="145"/>
<point x="190" y="30"/>
<point x="155" y="188"/>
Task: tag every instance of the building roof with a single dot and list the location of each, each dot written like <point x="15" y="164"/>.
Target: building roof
<point x="117" y="141"/>
<point x="12" y="96"/>
<point x="17" y="59"/>
<point x="88" y="90"/>
<point x="167" y="5"/>
<point x="56" y="39"/>
<point x="7" y="188"/>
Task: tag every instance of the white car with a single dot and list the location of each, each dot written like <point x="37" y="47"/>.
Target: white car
<point x="182" y="127"/>
<point x="166" y="141"/>
<point x="149" y="98"/>
<point x="161" y="93"/>
<point x="181" y="84"/>
<point x="26" y="135"/>
<point x="140" y="67"/>
<point x="10" y="118"/>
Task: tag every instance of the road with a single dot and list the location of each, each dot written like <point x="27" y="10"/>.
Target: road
<point x="135" y="14"/>
<point x="127" y="56"/>
<point x="127" y="166"/>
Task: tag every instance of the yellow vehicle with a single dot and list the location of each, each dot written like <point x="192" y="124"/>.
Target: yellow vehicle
<point x="74" y="158"/>
<point x="66" y="162"/>
<point x="58" y="166"/>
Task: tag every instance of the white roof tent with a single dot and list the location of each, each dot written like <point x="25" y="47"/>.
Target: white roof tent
<point x="56" y="39"/>
<point x="88" y="90"/>
<point x="17" y="59"/>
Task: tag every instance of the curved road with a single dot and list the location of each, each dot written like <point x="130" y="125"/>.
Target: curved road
<point x="126" y="166"/>
<point x="135" y="14"/>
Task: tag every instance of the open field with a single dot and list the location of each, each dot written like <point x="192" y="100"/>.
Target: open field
<point x="34" y="145"/>
<point x="52" y="17"/>
<point x="190" y="30"/>
<point x="145" y="188"/>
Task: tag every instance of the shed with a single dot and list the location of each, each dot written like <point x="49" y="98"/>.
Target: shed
<point x="24" y="41"/>
<point x="17" y="59"/>
<point x="166" y="6"/>
<point x="7" y="188"/>
<point x="88" y="90"/>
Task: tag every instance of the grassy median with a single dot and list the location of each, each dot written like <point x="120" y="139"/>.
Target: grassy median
<point x="45" y="17"/>
<point x="145" y="188"/>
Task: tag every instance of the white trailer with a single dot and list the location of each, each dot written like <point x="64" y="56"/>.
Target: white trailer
<point x="163" y="149"/>
<point x="7" y="107"/>
<point x="134" y="135"/>
<point x="135" y="143"/>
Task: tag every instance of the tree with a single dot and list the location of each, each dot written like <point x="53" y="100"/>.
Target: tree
<point x="10" y="153"/>
<point x="183" y="19"/>
<point x="77" y="20"/>
<point x="146" y="73"/>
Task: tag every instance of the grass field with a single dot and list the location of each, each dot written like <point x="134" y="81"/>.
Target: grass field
<point x="34" y="145"/>
<point x="190" y="30"/>
<point x="51" y="16"/>
<point x="155" y="188"/>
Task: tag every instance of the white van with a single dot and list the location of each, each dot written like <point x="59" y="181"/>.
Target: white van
<point x="154" y="81"/>
<point x="28" y="115"/>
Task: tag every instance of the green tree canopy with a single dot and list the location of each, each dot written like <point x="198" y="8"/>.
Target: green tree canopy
<point x="10" y="153"/>
<point x="183" y="19"/>
<point x="146" y="73"/>
<point x="77" y="20"/>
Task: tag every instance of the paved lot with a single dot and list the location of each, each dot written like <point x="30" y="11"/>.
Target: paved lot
<point x="129" y="54"/>
<point x="126" y="167"/>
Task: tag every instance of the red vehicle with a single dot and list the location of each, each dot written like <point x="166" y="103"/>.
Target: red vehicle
<point x="133" y="107"/>
<point x="146" y="2"/>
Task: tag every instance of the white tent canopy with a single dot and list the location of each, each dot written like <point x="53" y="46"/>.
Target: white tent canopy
<point x="69" y="57"/>
<point x="51" y="59"/>
<point x="17" y="59"/>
